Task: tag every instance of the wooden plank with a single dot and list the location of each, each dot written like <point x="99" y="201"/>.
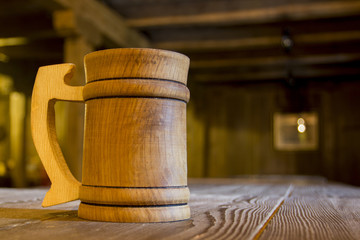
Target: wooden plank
<point x="49" y="50"/>
<point x="317" y="212"/>
<point x="201" y="45"/>
<point x="19" y="7"/>
<point x="277" y="74"/>
<point x="217" y="140"/>
<point x="68" y="25"/>
<point x="289" y="12"/>
<point x="240" y="217"/>
<point x="275" y="61"/>
<point x="347" y="128"/>
<point x="17" y="111"/>
<point x="150" y="8"/>
<point x="37" y="24"/>
<point x="198" y="33"/>
<point x="255" y="42"/>
<point x="195" y="128"/>
<point x="110" y="24"/>
<point x="301" y="50"/>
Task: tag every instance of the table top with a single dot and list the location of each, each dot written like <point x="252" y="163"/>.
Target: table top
<point x="239" y="208"/>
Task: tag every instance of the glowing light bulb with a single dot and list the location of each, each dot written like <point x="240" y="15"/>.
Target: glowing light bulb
<point x="301" y="121"/>
<point x="301" y="128"/>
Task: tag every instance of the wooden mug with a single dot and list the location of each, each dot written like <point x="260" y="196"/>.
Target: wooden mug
<point x="134" y="155"/>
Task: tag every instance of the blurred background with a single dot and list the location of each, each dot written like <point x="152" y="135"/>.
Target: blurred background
<point x="275" y="85"/>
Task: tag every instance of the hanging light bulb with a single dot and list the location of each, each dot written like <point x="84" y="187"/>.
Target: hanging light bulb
<point x="301" y="125"/>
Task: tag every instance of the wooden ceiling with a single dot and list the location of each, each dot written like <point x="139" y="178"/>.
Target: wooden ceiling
<point x="226" y="40"/>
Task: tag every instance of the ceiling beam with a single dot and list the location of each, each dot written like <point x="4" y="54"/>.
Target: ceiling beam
<point x="255" y="42"/>
<point x="94" y="15"/>
<point x="275" y="61"/>
<point x="25" y="25"/>
<point x="289" y="12"/>
<point x="276" y="74"/>
<point x="41" y="49"/>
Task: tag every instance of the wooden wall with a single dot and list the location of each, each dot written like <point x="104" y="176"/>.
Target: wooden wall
<point x="230" y="129"/>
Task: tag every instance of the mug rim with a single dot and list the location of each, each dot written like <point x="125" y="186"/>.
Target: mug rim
<point x="157" y="50"/>
<point x="148" y="63"/>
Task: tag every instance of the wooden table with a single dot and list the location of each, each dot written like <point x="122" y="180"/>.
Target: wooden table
<point x="244" y="208"/>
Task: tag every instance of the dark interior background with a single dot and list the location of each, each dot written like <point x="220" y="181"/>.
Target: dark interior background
<point x="249" y="60"/>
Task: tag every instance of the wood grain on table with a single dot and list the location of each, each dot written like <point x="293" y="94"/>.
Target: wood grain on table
<point x="265" y="208"/>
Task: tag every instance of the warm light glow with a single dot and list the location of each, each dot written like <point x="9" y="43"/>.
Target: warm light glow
<point x="2" y="169"/>
<point x="6" y="84"/>
<point x="301" y="121"/>
<point x="3" y="58"/>
<point x="301" y="128"/>
<point x="14" y="41"/>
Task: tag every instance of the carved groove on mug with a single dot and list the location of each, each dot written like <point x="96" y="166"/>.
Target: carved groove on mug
<point x="172" y="99"/>
<point x="134" y="206"/>
<point x="161" y="187"/>
<point x="143" y="78"/>
<point x="134" y="196"/>
<point x="136" y="88"/>
<point x="136" y="214"/>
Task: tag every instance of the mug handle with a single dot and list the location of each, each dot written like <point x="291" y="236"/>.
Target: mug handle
<point x="51" y="84"/>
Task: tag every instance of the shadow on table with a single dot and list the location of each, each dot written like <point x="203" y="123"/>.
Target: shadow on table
<point x="39" y="214"/>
